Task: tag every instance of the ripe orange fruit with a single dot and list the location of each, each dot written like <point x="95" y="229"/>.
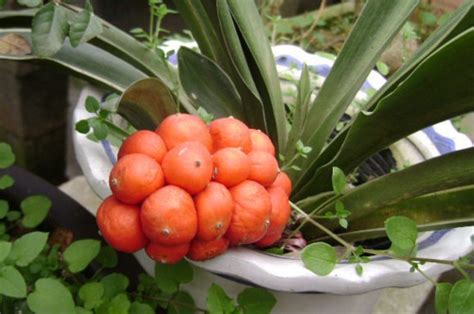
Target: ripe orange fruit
<point x="283" y="181"/>
<point x="261" y="142"/>
<point x="188" y="165"/>
<point x="230" y="132"/>
<point x="263" y="167"/>
<point x="120" y="225"/>
<point x="214" y="208"/>
<point x="134" y="177"/>
<point x="203" y="250"/>
<point x="144" y="142"/>
<point x="180" y="127"/>
<point x="251" y="215"/>
<point x="169" y="217"/>
<point x="231" y="166"/>
<point x="167" y="254"/>
<point x="279" y="217"/>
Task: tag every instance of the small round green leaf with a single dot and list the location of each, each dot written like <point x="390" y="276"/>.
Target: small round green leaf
<point x="91" y="293"/>
<point x="256" y="300"/>
<point x="168" y="277"/>
<point x="6" y="181"/>
<point x="80" y="253"/>
<point x="13" y="215"/>
<point x="339" y="182"/>
<point x="141" y="308"/>
<point x="49" y="29"/>
<point x="107" y="257"/>
<point x="7" y="158"/>
<point x="218" y="301"/>
<point x="359" y="269"/>
<point x="100" y="131"/>
<point x="28" y="247"/>
<point x="4" y="207"/>
<point x="51" y="296"/>
<point x="402" y="232"/>
<point x="442" y="292"/>
<point x="461" y="298"/>
<point x="382" y="68"/>
<point x="35" y="208"/>
<point x="12" y="283"/>
<point x="83" y="127"/>
<point x="92" y="104"/>
<point x="81" y="310"/>
<point x="184" y="304"/>
<point x="5" y="248"/>
<point x="120" y="304"/>
<point x="30" y="3"/>
<point x="319" y="257"/>
<point x="114" y="284"/>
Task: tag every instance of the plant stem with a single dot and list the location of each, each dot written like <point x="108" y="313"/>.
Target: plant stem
<point x="416" y="266"/>
<point x="112" y="126"/>
<point x="315" y="21"/>
<point x="323" y="228"/>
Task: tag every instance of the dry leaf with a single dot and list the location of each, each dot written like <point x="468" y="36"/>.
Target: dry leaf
<point x="14" y="45"/>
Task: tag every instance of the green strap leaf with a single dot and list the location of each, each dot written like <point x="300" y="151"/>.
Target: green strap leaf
<point x="85" y="26"/>
<point x="437" y="99"/>
<point x="50" y="296"/>
<point x="88" y="62"/>
<point x="441" y="173"/>
<point x="208" y="86"/>
<point x="80" y="253"/>
<point x="49" y="29"/>
<point x="380" y="19"/>
<point x="12" y="283"/>
<point x="320" y="258"/>
<point x="146" y="103"/>
<point x="240" y="73"/>
<point x="262" y="65"/>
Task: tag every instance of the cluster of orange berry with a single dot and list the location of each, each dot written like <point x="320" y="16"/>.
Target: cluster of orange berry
<point x="193" y="190"/>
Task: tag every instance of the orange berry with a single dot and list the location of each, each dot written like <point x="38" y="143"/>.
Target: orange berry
<point x="230" y="132"/>
<point x="204" y="250"/>
<point x="167" y="254"/>
<point x="134" y="177"/>
<point x="231" y="166"/>
<point x="180" y="127"/>
<point x="214" y="208"/>
<point x="120" y="225"/>
<point x="261" y="142"/>
<point x="283" y="181"/>
<point x="144" y="142"/>
<point x="263" y="168"/>
<point x="279" y="217"/>
<point x="251" y="215"/>
<point x="188" y="165"/>
<point x="169" y="217"/>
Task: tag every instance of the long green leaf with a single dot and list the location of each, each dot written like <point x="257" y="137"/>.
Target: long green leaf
<point x="376" y="26"/>
<point x="261" y="59"/>
<point x="437" y="174"/>
<point x="208" y="86"/>
<point x="418" y="102"/>
<point x="242" y="78"/>
<point x="85" y="26"/>
<point x="146" y="103"/>
<point x="86" y="62"/>
<point x="458" y="22"/>
<point x="436" y="207"/>
<point x="374" y="233"/>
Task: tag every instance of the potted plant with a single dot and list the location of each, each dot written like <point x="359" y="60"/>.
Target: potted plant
<point x="236" y="70"/>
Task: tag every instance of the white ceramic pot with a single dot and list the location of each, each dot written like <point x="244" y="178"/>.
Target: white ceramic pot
<point x="297" y="289"/>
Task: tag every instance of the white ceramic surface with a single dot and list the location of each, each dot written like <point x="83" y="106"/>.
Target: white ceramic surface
<point x="283" y="274"/>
